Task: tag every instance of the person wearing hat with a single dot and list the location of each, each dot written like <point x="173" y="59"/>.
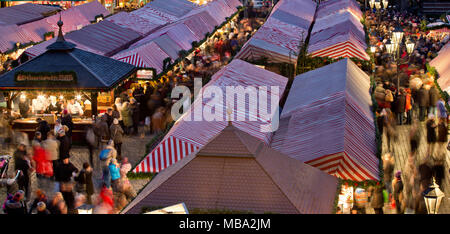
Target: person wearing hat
<point x="116" y="136"/>
<point x="42" y="208"/>
<point x="397" y="185"/>
<point x="16" y="205"/>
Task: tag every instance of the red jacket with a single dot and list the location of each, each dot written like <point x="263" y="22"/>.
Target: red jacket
<point x="43" y="166"/>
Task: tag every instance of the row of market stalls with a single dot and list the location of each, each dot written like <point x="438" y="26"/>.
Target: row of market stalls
<point x="228" y="165"/>
<point x="327" y="122"/>
<point x="167" y="42"/>
<point x="151" y="34"/>
<point x="33" y="23"/>
<point x="63" y="76"/>
<point x="279" y="38"/>
<point x="442" y="65"/>
<point x="338" y="32"/>
<point x="326" y="130"/>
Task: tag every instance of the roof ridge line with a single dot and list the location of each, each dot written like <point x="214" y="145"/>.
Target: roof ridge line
<point x="87" y="68"/>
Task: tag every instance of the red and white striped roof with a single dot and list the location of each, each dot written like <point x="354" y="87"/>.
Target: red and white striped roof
<point x="280" y="36"/>
<point x="172" y="38"/>
<point x="186" y="136"/>
<point x="442" y="65"/>
<point x="338" y="35"/>
<point x="148" y="55"/>
<point x="327" y="122"/>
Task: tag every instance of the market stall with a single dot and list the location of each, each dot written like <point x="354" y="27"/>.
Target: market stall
<point x="63" y="78"/>
<point x="327" y="122"/>
<point x="442" y="65"/>
<point x="279" y="38"/>
<point x="338" y="35"/>
<point x="188" y="136"/>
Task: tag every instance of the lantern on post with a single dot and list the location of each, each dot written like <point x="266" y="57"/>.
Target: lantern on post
<point x="409" y="46"/>
<point x="378" y="4"/>
<point x="372" y="4"/>
<point x="397" y="34"/>
<point x="385" y="4"/>
<point x="390" y="47"/>
<point x="433" y="197"/>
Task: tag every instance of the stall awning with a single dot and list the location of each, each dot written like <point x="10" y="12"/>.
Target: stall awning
<point x="10" y="35"/>
<point x="331" y="7"/>
<point x="92" y="9"/>
<point x="338" y="35"/>
<point x="279" y="38"/>
<point x="188" y="136"/>
<point x="327" y="122"/>
<point x="146" y="56"/>
<point x="24" y="13"/>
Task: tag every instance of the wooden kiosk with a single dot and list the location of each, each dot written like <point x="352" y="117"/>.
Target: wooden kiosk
<point x="64" y="77"/>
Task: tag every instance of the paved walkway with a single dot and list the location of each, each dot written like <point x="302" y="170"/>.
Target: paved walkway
<point x="132" y="147"/>
<point x="401" y="151"/>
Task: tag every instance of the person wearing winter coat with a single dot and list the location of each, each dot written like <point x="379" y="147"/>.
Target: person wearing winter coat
<point x="442" y="138"/>
<point x="400" y="106"/>
<point x="116" y="136"/>
<point x="63" y="174"/>
<point x="51" y="147"/>
<point x="442" y="111"/>
<point x="22" y="163"/>
<point x="397" y="185"/>
<point x="134" y="108"/>
<point x="114" y="170"/>
<point x="103" y="131"/>
<point x="105" y="164"/>
<point x="423" y="101"/>
<point x="409" y="101"/>
<point x="67" y="121"/>
<point x="431" y="134"/>
<point x="64" y="144"/>
<point x="16" y="205"/>
<point x="126" y="117"/>
<point x="377" y="201"/>
<point x="434" y="98"/>
<point x="42" y="209"/>
<point x="380" y="95"/>
<point x="43" y="128"/>
<point x="40" y="197"/>
<point x="85" y="182"/>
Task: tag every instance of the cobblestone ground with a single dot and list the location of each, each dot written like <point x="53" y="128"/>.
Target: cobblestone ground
<point x="132" y="147"/>
<point x="401" y="150"/>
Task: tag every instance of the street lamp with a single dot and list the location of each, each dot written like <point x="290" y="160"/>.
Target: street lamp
<point x="389" y="47"/>
<point x="85" y="209"/>
<point x="433" y="197"/>
<point x="378" y="4"/>
<point x="397" y="34"/>
<point x="372" y="4"/>
<point x="385" y="4"/>
<point x="409" y="46"/>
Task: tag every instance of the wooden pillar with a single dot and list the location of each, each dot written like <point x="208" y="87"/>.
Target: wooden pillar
<point x="94" y="96"/>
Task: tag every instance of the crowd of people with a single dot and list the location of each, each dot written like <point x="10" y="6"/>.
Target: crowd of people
<point x="148" y="104"/>
<point x="409" y="97"/>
